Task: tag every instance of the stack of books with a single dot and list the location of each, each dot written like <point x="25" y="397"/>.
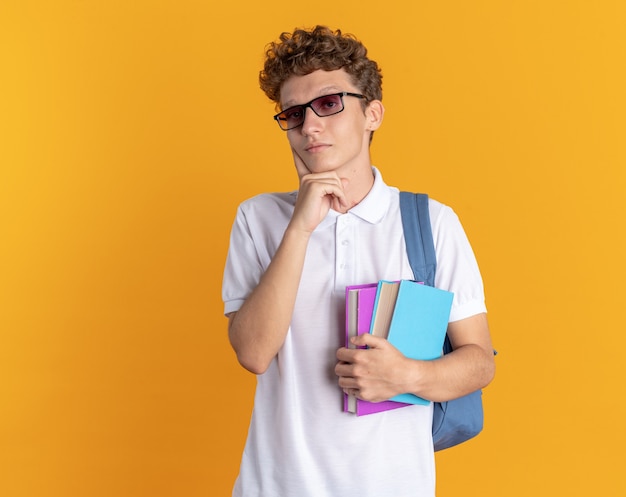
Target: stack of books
<point x="412" y="316"/>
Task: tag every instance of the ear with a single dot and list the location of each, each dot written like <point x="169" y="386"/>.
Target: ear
<point x="374" y="115"/>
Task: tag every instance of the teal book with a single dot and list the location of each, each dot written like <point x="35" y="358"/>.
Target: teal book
<point x="418" y="325"/>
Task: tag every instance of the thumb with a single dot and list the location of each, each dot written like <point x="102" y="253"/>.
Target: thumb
<point x="368" y="340"/>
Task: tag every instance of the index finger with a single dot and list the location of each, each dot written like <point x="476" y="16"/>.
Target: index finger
<point x="345" y="355"/>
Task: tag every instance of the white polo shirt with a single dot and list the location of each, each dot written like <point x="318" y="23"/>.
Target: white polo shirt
<point x="300" y="442"/>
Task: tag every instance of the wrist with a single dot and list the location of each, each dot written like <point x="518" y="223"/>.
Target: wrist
<point x="297" y="234"/>
<point x="414" y="376"/>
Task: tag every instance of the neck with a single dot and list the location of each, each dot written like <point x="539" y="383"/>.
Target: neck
<point x="358" y="186"/>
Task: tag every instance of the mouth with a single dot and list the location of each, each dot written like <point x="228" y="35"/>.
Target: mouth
<point x="316" y="147"/>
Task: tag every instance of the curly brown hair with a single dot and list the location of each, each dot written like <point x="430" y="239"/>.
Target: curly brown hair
<point x="304" y="51"/>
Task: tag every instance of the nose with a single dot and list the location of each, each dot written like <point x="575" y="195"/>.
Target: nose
<point x="312" y="122"/>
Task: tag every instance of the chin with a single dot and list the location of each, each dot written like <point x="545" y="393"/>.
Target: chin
<point x="324" y="166"/>
<point x="321" y="168"/>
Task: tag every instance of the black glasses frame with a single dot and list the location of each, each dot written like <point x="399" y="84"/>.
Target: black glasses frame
<point x="341" y="94"/>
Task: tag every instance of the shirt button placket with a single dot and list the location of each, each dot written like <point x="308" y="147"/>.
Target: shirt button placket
<point x="344" y="252"/>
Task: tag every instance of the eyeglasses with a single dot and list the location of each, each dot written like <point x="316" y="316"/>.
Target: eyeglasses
<point x="325" y="106"/>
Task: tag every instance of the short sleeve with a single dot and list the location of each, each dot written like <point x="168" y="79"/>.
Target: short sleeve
<point x="457" y="268"/>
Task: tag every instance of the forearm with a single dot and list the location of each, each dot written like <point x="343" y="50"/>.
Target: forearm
<point x="258" y="329"/>
<point x="380" y="371"/>
<point x="464" y="370"/>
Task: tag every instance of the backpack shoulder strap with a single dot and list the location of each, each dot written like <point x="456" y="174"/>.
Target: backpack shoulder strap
<point x="460" y="419"/>
<point x="418" y="236"/>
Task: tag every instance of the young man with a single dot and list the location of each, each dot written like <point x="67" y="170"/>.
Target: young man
<point x="292" y="255"/>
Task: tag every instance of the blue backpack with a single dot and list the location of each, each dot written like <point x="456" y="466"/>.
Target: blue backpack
<point x="458" y="420"/>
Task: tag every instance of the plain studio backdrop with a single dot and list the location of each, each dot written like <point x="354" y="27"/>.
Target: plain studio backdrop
<point x="130" y="132"/>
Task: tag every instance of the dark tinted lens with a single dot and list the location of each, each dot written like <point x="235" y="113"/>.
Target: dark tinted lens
<point x="292" y="117"/>
<point x="327" y="105"/>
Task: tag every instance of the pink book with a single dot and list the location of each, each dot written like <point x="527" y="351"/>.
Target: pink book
<point x="359" y="308"/>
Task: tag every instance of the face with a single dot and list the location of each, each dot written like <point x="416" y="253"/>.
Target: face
<point x="339" y="142"/>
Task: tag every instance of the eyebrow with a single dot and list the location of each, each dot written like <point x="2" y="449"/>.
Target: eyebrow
<point x="327" y="90"/>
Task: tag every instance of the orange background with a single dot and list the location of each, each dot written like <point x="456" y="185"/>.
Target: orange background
<point x="129" y="133"/>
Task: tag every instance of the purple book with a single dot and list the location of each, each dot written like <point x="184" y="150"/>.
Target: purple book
<point x="359" y="307"/>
